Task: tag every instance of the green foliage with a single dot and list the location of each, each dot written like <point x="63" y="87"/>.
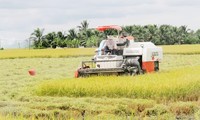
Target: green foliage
<point x="73" y="43"/>
<point x="37" y="38"/>
<point x="160" y="35"/>
<point x="92" y="41"/>
<point x="72" y="34"/>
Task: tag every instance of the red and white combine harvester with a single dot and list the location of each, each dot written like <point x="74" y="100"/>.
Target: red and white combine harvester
<point x="121" y="55"/>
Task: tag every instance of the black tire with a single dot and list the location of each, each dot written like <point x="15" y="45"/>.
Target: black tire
<point x="156" y="66"/>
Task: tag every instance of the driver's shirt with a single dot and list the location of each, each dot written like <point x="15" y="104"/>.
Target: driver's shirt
<point x="111" y="44"/>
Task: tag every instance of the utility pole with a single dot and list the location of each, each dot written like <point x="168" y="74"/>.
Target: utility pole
<point x="18" y="44"/>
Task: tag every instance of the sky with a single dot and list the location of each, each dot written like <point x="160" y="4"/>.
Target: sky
<point x="19" y="18"/>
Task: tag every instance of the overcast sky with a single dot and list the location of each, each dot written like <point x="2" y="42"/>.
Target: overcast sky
<point x="18" y="18"/>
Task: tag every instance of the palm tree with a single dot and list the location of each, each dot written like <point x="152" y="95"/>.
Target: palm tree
<point x="128" y="29"/>
<point x="50" y="37"/>
<point x="165" y="33"/>
<point x="110" y="32"/>
<point x="72" y="34"/>
<point x="183" y="32"/>
<point x="60" y="39"/>
<point x="73" y="43"/>
<point x="37" y="37"/>
<point x="61" y="35"/>
<point x="84" y="34"/>
<point x="138" y="32"/>
<point x="153" y="31"/>
<point x="197" y="34"/>
<point x="84" y="26"/>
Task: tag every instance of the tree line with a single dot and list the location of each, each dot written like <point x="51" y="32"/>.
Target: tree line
<point x="90" y="37"/>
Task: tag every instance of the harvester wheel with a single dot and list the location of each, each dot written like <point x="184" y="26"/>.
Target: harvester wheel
<point x="156" y="68"/>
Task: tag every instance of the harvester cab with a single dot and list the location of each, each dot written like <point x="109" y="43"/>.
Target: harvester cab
<point x="121" y="55"/>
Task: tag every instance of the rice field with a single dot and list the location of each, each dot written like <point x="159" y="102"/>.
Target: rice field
<point x="46" y="53"/>
<point x="181" y="49"/>
<point x="180" y="84"/>
<point x="53" y="93"/>
<point x="77" y="52"/>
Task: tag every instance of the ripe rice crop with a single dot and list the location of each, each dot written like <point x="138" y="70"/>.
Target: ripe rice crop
<point x="46" y="53"/>
<point x="76" y="52"/>
<point x="181" y="49"/>
<point x="177" y="84"/>
<point x="17" y="88"/>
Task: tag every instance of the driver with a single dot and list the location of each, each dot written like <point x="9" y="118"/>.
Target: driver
<point x="110" y="46"/>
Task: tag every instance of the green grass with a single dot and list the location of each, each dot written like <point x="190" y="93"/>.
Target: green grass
<point x="179" y="84"/>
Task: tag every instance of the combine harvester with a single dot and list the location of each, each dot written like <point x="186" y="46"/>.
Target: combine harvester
<point x="121" y="55"/>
